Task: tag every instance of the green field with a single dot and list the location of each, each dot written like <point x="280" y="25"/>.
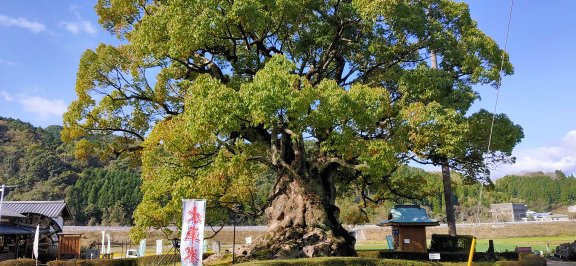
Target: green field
<point x="500" y="245"/>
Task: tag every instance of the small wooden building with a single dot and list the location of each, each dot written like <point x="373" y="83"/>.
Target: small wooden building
<point x="69" y="246"/>
<point x="408" y="224"/>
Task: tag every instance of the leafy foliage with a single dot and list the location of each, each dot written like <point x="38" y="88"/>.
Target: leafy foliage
<point x="30" y="159"/>
<point x="104" y="196"/>
<point x="307" y="95"/>
<point x="45" y="168"/>
<point x="541" y="192"/>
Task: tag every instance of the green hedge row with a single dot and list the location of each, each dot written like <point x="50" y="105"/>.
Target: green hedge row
<point x="18" y="262"/>
<point x="148" y="260"/>
<point x="338" y="261"/>
<point x="448" y="243"/>
<point x="525" y="260"/>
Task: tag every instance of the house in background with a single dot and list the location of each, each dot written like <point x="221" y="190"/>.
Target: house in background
<point x="508" y="212"/>
<point x="18" y="226"/>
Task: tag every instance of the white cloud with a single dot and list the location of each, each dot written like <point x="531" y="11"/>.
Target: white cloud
<point x="80" y="24"/>
<point x="6" y="96"/>
<point x="22" y="23"/>
<point x="561" y="156"/>
<point x="8" y="62"/>
<point x="42" y="107"/>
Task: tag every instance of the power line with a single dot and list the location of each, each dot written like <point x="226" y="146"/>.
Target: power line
<point x="498" y="84"/>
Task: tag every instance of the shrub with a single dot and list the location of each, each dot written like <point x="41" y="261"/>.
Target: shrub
<point x="148" y="260"/>
<point x="368" y="253"/>
<point x="448" y="243"/>
<point x="444" y="256"/>
<point x="18" y="262"/>
<point x="525" y="260"/>
<point x="338" y="261"/>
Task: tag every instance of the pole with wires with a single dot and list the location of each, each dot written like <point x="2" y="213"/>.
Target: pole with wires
<point x="498" y="84"/>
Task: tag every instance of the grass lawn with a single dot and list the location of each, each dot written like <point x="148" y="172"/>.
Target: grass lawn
<point x="537" y="243"/>
<point x="500" y="245"/>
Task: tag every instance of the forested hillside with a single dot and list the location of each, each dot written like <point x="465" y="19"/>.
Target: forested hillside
<point x="98" y="190"/>
<point x="541" y="192"/>
<point x="107" y="191"/>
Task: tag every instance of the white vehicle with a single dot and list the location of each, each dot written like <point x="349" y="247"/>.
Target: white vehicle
<point x="132" y="253"/>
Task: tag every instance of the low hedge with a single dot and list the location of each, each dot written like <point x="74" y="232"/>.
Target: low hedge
<point x="459" y="243"/>
<point x="444" y="256"/>
<point x="525" y="260"/>
<point x="148" y="260"/>
<point x="18" y="262"/>
<point x="338" y="261"/>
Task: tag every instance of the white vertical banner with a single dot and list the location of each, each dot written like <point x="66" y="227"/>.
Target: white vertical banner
<point x="159" y="247"/>
<point x="142" y="248"/>
<point x="191" y="240"/>
<point x="36" y="240"/>
<point x="103" y="244"/>
<point x="108" y="248"/>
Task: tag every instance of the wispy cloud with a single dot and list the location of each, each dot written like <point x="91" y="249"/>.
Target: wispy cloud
<point x="561" y="156"/>
<point x="41" y="107"/>
<point x="8" y="62"/>
<point x="6" y="96"/>
<point x="79" y="25"/>
<point x="22" y="23"/>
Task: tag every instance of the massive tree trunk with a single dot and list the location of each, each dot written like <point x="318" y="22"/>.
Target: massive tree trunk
<point x="450" y="216"/>
<point x="303" y="221"/>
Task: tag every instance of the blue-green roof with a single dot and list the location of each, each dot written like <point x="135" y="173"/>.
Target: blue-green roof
<point x="408" y="215"/>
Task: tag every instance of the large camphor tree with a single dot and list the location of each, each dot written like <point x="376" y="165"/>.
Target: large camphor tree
<point x="216" y="96"/>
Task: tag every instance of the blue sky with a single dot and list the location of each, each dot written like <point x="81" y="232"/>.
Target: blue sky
<point x="41" y="42"/>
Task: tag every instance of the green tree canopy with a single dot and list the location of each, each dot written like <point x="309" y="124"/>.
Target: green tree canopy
<point x="213" y="94"/>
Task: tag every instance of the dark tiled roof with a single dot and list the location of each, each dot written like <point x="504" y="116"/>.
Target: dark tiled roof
<point x="10" y="213"/>
<point x="50" y="209"/>
<point x="408" y="214"/>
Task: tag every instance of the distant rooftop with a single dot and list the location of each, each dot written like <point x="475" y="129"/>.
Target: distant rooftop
<point x="50" y="209"/>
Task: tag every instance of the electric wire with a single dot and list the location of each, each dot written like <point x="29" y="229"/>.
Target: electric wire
<point x="498" y="84"/>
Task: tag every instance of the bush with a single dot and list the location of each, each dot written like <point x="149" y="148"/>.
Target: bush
<point x="18" y="262"/>
<point x="368" y="253"/>
<point x="148" y="260"/>
<point x="338" y="261"/>
<point x="525" y="260"/>
<point x="497" y="256"/>
<point x="566" y="251"/>
<point x="444" y="256"/>
<point x="448" y="243"/>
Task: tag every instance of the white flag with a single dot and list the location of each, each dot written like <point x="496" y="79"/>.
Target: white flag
<point x="36" y="240"/>
<point x="108" y="248"/>
<point x="142" y="248"/>
<point x="191" y="240"/>
<point x="103" y="244"/>
<point x="159" y="247"/>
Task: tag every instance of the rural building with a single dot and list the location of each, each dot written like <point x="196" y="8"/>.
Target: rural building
<point x="572" y="208"/>
<point x="409" y="227"/>
<point x="508" y="212"/>
<point x="18" y="225"/>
